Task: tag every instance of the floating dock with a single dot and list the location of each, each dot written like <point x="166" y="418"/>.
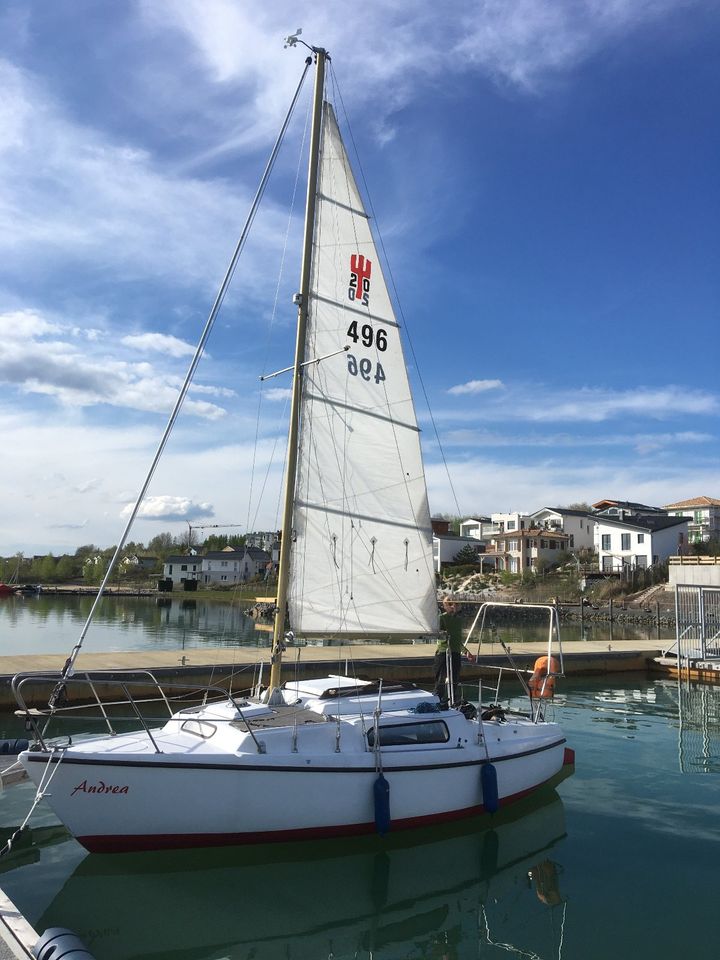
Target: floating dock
<point x="242" y="666"/>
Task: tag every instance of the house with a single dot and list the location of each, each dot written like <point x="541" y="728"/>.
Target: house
<point x="624" y="508"/>
<point x="579" y="525"/>
<point x="507" y="522"/>
<point x="446" y="545"/>
<point x="229" y="565"/>
<point x="704" y="516"/>
<point x="481" y="528"/>
<point x="263" y="540"/>
<point x="139" y="562"/>
<point x="182" y="567"/>
<point x="519" y="551"/>
<point x="637" y="542"/>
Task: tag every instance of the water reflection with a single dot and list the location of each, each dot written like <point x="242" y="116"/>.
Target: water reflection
<point x="430" y="894"/>
<point x="698" y="707"/>
<point x="50" y="624"/>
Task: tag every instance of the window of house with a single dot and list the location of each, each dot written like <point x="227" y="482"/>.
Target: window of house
<point x="223" y="576"/>
<point x="409" y="734"/>
<point x="624" y="541"/>
<point x="572" y="541"/>
<point x="607" y="563"/>
<point x="543" y="544"/>
<point x="641" y="562"/>
<point x="553" y="545"/>
<point x="606" y="541"/>
<point x="511" y="524"/>
<point x="183" y="567"/>
<point x="512" y="544"/>
<point x="641" y="538"/>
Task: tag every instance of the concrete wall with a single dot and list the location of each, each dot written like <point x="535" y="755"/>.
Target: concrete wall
<point x="697" y="575"/>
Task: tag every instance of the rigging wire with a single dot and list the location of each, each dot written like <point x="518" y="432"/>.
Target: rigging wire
<point x="273" y="316"/>
<point x="70" y="662"/>
<point x="395" y="291"/>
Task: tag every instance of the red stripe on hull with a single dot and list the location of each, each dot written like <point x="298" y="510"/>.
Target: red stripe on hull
<point x="134" y="843"/>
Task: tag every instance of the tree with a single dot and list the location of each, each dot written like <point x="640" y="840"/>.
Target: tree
<point x="162" y="545"/>
<point x="467" y="554"/>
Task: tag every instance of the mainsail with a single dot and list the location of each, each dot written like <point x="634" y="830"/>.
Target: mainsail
<point x="361" y="558"/>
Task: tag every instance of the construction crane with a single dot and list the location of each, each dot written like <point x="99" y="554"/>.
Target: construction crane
<point x="208" y="526"/>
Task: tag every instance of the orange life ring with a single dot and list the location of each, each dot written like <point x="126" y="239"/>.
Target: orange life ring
<point x="542" y="681"/>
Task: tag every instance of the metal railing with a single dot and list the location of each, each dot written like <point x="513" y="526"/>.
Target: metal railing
<point x="536" y="702"/>
<point x="697" y="619"/>
<point x="90" y="705"/>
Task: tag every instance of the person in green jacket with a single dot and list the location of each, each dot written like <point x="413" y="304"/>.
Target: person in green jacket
<point x="450" y="649"/>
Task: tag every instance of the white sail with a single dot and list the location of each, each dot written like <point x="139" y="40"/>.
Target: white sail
<point x="362" y="539"/>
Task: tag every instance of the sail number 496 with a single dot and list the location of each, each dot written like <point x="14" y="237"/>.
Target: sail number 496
<point x="367" y="336"/>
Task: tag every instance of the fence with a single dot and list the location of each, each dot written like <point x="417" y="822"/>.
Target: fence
<point x="697" y="619"/>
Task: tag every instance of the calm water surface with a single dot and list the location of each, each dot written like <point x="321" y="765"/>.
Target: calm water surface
<point x="47" y="624"/>
<point x="620" y="861"/>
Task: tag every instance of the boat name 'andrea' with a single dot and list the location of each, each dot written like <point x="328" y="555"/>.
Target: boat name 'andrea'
<point x="100" y="787"/>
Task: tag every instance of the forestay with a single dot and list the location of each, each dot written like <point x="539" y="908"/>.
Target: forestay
<point x="362" y="539"/>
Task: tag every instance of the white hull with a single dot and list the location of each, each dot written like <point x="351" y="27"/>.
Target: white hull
<point x="119" y="794"/>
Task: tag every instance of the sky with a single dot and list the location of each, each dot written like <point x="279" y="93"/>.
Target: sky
<point x="545" y="178"/>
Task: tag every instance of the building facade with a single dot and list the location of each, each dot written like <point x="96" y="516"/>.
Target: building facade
<point x="703" y="514"/>
<point x="638" y="542"/>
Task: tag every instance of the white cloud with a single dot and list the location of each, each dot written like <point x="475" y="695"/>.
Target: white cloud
<point x="83" y="376"/>
<point x="159" y="343"/>
<point x="476" y="386"/>
<point x="73" y="198"/>
<point x="170" y="508"/>
<point x="489" y="485"/>
<point x="277" y="393"/>
<point x="642" y="443"/>
<point x="542" y="404"/>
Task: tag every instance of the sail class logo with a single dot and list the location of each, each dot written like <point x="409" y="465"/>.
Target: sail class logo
<point x="99" y="787"/>
<point x="360" y="270"/>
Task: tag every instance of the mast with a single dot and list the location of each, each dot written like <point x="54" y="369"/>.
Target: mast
<point x="302" y="300"/>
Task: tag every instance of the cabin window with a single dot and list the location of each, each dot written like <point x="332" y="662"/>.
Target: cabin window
<point x="409" y="734"/>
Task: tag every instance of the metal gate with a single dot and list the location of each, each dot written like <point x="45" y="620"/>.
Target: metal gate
<point x="697" y="622"/>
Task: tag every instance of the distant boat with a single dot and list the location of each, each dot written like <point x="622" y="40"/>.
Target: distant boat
<point x="6" y="590"/>
<point x="338" y="755"/>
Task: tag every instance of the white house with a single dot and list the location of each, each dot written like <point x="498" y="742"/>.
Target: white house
<point x="139" y="562"/>
<point x="638" y="541"/>
<point x="234" y="566"/>
<point x="181" y="567"/>
<point x="510" y="522"/>
<point x="481" y="528"/>
<point x="446" y="545"/>
<point x="579" y="525"/>
<point x="704" y="516"/>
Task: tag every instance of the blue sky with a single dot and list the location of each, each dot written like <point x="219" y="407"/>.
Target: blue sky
<point x="545" y="179"/>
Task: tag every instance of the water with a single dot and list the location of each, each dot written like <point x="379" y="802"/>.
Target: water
<point x="48" y="624"/>
<point x="618" y="861"/>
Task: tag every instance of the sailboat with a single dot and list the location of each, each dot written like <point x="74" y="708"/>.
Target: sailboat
<point x="336" y="755"/>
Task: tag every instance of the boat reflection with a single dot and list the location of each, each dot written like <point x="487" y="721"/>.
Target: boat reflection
<point x="438" y="893"/>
